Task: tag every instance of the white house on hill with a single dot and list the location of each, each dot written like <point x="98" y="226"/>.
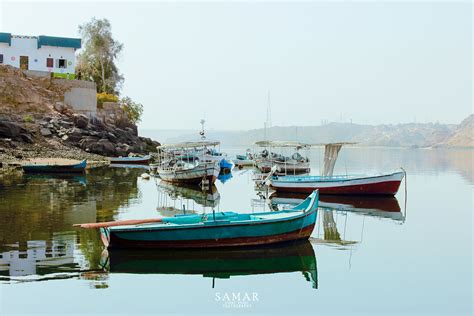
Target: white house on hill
<point x="40" y="53"/>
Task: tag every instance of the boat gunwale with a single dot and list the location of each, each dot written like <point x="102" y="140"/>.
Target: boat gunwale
<point x="338" y="178"/>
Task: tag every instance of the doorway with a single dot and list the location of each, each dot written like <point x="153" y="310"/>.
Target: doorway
<point x="24" y="62"/>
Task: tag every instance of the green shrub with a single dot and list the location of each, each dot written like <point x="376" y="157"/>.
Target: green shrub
<point x="27" y="118"/>
<point x="105" y="97"/>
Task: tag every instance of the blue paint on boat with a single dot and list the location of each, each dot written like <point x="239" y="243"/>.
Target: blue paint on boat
<point x="54" y="168"/>
<point x="224" y="164"/>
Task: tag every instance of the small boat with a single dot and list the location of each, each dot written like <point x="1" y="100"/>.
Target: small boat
<point x="55" y="168"/>
<point x="219" y="229"/>
<point x="145" y="160"/>
<point x="296" y="164"/>
<point x="217" y="263"/>
<point x="172" y="167"/>
<point x="244" y="160"/>
<point x="180" y="172"/>
<point x="383" y="184"/>
<point x="225" y="165"/>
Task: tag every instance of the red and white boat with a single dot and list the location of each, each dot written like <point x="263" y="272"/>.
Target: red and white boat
<point x="386" y="184"/>
<point x="327" y="183"/>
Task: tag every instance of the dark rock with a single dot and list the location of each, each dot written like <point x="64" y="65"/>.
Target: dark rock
<point x="80" y="120"/>
<point x="111" y="137"/>
<point x="75" y="135"/>
<point x="85" y="142"/>
<point x="65" y="124"/>
<point x="122" y="150"/>
<point x="27" y="138"/>
<point x="102" y="147"/>
<point x="10" y="129"/>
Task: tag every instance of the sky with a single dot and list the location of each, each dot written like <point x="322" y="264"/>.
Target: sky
<point x="321" y="61"/>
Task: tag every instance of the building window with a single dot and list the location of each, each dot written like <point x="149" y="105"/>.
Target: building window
<point x="49" y="62"/>
<point x="62" y="63"/>
<point x="1" y="58"/>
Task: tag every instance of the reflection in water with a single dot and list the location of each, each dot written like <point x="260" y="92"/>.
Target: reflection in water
<point x="173" y="199"/>
<point x="218" y="263"/>
<point x="37" y="211"/>
<point x="225" y="176"/>
<point x="375" y="206"/>
<point x="331" y="205"/>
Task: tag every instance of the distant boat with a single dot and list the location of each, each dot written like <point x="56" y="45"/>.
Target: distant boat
<point x="55" y="168"/>
<point x="296" y="164"/>
<point x="327" y="183"/>
<point x="145" y="160"/>
<point x="219" y="229"/>
<point x="218" y="263"/>
<point x="176" y="165"/>
<point x="244" y="160"/>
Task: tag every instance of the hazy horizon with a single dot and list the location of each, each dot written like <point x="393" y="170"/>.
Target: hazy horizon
<point x="372" y="63"/>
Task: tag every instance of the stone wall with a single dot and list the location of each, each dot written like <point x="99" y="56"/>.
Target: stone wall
<point x="81" y="95"/>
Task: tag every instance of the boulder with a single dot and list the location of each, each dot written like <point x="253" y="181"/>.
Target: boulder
<point x="26" y="138"/>
<point x="9" y="129"/>
<point x="122" y="149"/>
<point x="80" y="120"/>
<point x="75" y="135"/>
<point x="102" y="147"/>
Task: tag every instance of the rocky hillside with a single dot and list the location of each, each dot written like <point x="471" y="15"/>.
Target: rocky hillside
<point x="34" y="122"/>
<point x="463" y="135"/>
<point x="397" y="135"/>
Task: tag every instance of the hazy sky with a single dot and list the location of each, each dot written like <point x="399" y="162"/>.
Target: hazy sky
<point x="372" y="62"/>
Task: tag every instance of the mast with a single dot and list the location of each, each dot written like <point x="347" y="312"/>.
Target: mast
<point x="202" y="132"/>
<point x="268" y="122"/>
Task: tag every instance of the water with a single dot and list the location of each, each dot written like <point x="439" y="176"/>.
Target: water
<point x="365" y="256"/>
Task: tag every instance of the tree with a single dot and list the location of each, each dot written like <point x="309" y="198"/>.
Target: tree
<point x="97" y="60"/>
<point x="133" y="109"/>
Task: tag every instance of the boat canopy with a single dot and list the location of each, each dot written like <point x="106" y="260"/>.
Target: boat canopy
<point x="274" y="143"/>
<point x="184" y="145"/>
<point x="335" y="143"/>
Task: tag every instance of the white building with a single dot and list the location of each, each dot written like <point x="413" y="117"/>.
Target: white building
<point x="40" y="53"/>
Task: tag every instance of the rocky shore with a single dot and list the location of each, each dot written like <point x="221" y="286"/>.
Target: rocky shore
<point x="35" y="123"/>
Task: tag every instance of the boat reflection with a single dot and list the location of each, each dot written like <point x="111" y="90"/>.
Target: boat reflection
<point x="224" y="177"/>
<point x="69" y="177"/>
<point x="170" y="194"/>
<point x="218" y="263"/>
<point x="376" y="206"/>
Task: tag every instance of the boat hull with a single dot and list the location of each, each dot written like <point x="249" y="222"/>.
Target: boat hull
<point x="131" y="160"/>
<point x="122" y="241"/>
<point x="244" y="162"/>
<point x="265" y="166"/>
<point x="65" y="169"/>
<point x="195" y="175"/>
<point x="376" y="185"/>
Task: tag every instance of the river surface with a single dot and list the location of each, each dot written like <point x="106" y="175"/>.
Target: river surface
<point x="408" y="255"/>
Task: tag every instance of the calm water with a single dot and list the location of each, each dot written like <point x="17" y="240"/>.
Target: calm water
<point x="366" y="256"/>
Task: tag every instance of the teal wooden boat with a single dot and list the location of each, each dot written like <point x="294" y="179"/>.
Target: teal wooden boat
<point x="222" y="229"/>
<point x="295" y="256"/>
<point x="55" y="168"/>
